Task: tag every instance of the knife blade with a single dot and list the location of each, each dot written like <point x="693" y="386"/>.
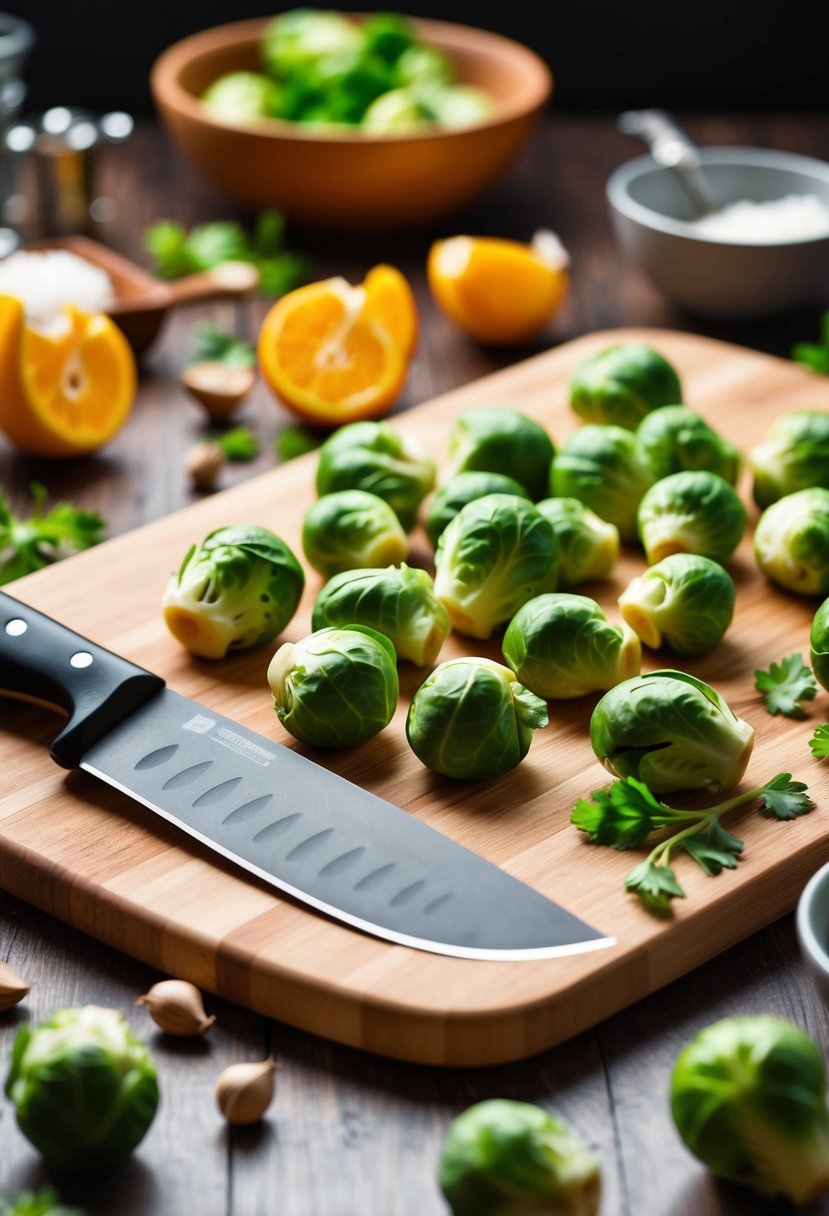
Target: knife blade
<point x="304" y="830"/>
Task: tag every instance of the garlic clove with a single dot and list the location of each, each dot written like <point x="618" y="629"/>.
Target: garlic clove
<point x="12" y="988"/>
<point x="245" y="1091"/>
<point x="176" y="1007"/>
<point x="203" y="463"/>
<point x="219" y="387"/>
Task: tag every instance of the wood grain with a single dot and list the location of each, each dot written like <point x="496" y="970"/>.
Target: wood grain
<point x="89" y="855"/>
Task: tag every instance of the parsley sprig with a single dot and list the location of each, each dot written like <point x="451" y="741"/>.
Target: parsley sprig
<point x="45" y="537"/>
<point x="627" y="814"/>
<point x="815" y="354"/>
<point x="785" y="685"/>
<point x="213" y="345"/>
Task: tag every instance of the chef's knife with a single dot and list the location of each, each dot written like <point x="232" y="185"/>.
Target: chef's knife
<point x="296" y="825"/>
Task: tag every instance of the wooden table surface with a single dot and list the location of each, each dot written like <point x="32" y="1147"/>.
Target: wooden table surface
<point x="348" y="1132"/>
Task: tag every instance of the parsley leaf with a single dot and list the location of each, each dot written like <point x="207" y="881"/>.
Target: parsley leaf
<point x="296" y="440"/>
<point x="819" y="742"/>
<point x="784" y="798"/>
<point x="621" y="816"/>
<point x="239" y="443"/>
<point x="815" y="355"/>
<point x="45" y="537"/>
<point x="785" y="685"/>
<point x="655" y="885"/>
<point x="213" y="345"/>
<point x="714" y="849"/>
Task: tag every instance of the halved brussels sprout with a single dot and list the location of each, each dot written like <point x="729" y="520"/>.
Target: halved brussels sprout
<point x="472" y="719"/>
<point x="502" y="1158"/>
<point x="238" y="589"/>
<point x="794" y="456"/>
<point x="685" y="602"/>
<point x="373" y="456"/>
<point x="588" y="545"/>
<point x="622" y="383"/>
<point x="495" y="439"/>
<point x="671" y="731"/>
<point x="336" y="686"/>
<point x="693" y="512"/>
<point x="675" y="438"/>
<point x="601" y="467"/>
<point x="398" y="602"/>
<point x="348" y="529"/>
<point x="461" y="489"/>
<point x="819" y="644"/>
<point x="497" y="553"/>
<point x="791" y="542"/>
<point x="562" y="646"/>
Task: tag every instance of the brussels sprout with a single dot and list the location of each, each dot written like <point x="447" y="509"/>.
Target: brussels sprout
<point x="461" y="105"/>
<point x="794" y="456"/>
<point x="242" y="96"/>
<point x="748" y="1097"/>
<point x="600" y="466"/>
<point x="495" y="439"/>
<point x="819" y="644"/>
<point x="373" y="456"/>
<point x="336" y="686"/>
<point x="461" y="489"/>
<point x="497" y="553"/>
<point x="352" y="528"/>
<point x="562" y="646"/>
<point x="791" y="542"/>
<point x="623" y="383"/>
<point x="502" y="1158"/>
<point x="340" y="87"/>
<point x="671" y="731"/>
<point x="398" y="602"/>
<point x="472" y="719"/>
<point x="588" y="545"/>
<point x="83" y="1086"/>
<point x="236" y="590"/>
<point x="674" y="438"/>
<point x="297" y="40"/>
<point x="388" y="35"/>
<point x="424" y="66"/>
<point x="685" y="602"/>
<point x="693" y="512"/>
<point x="395" y="111"/>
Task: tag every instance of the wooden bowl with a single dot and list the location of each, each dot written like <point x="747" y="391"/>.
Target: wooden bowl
<point x="349" y="179"/>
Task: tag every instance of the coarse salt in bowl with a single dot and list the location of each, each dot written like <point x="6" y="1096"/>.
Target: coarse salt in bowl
<point x="46" y="281"/>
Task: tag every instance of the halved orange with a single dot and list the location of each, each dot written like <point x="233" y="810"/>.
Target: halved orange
<point x="66" y="390"/>
<point x="499" y="291"/>
<point x="335" y="353"/>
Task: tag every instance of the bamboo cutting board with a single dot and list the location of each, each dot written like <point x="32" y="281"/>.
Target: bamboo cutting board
<point x="89" y="855"/>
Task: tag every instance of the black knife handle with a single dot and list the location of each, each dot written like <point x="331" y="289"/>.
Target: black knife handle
<point x="43" y="661"/>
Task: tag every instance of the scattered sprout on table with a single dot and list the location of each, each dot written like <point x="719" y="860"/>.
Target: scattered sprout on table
<point x="501" y="1158"/>
<point x="794" y="456"/>
<point x="684" y="602"/>
<point x="588" y="545"/>
<point x="83" y="1086"/>
<point x="562" y="646"/>
<point x="748" y="1098"/>
<point x="238" y="589"/>
<point x="819" y="644"/>
<point x="352" y="529"/>
<point x="791" y="542"/>
<point x="472" y="719"/>
<point x="28" y="544"/>
<point x="672" y="731"/>
<point x="627" y="814"/>
<point x="601" y="467"/>
<point x="335" y="687"/>
<point x="497" y="553"/>
<point x="461" y="489"/>
<point x="496" y="439"/>
<point x="622" y="383"/>
<point x="691" y="512"/>
<point x="376" y="457"/>
<point x="785" y="685"/>
<point x="398" y="602"/>
<point x="675" y="438"/>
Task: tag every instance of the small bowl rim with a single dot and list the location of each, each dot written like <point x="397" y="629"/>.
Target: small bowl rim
<point x="168" y="91"/>
<point x="618" y="196"/>
<point x="809" y="942"/>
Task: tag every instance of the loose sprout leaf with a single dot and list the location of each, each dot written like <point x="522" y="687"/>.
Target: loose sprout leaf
<point x="785" y="685"/>
<point x="819" y="742"/>
<point x="815" y="354"/>
<point x="784" y="798"/>
<point x="655" y="885"/>
<point x="239" y="443"/>
<point x="622" y="816"/>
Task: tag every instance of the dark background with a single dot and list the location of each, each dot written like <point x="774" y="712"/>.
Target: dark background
<point x="605" y="54"/>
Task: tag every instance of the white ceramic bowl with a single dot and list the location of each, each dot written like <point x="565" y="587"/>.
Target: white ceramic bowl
<point x="813" y="927"/>
<point x="717" y="278"/>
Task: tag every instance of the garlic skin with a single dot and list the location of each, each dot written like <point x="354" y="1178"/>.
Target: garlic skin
<point x="12" y="988"/>
<point x="203" y="463"/>
<point x="176" y="1007"/>
<point x="245" y="1091"/>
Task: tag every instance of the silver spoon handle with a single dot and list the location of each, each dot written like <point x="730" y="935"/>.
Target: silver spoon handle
<point x="670" y="147"/>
